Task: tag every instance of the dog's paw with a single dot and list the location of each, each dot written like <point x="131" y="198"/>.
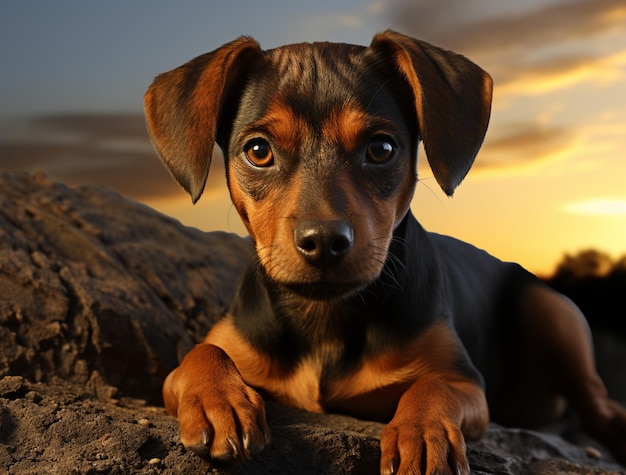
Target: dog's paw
<point x="224" y="424"/>
<point x="221" y="417"/>
<point x="426" y="447"/>
<point x="608" y="425"/>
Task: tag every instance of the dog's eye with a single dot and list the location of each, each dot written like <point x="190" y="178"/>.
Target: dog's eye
<point x="259" y="153"/>
<point x="381" y="149"/>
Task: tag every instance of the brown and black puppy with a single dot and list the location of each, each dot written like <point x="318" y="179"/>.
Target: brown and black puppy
<point x="351" y="306"/>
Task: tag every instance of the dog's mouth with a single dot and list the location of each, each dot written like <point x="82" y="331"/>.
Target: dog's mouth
<point x="324" y="290"/>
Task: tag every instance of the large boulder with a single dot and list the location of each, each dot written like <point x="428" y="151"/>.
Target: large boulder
<point x="96" y="289"/>
<point x="101" y="296"/>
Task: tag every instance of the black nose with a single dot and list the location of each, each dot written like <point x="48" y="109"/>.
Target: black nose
<point x="323" y="243"/>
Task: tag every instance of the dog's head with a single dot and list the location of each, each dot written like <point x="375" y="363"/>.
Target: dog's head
<point x="320" y="142"/>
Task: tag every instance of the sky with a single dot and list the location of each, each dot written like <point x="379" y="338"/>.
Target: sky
<point x="549" y="180"/>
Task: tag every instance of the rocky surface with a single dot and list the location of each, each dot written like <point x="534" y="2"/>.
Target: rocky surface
<point x="99" y="298"/>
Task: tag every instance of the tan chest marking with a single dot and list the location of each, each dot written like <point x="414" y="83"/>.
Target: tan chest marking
<point x="385" y="378"/>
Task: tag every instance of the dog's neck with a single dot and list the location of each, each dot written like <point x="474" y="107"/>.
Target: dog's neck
<point x="278" y="321"/>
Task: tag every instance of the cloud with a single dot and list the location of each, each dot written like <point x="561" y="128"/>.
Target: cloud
<point x="536" y="41"/>
<point x="482" y="27"/>
<point x="559" y="73"/>
<point x="610" y="207"/>
<point x="111" y="149"/>
<point x="524" y="144"/>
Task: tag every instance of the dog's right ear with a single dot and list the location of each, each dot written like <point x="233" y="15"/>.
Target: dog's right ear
<point x="183" y="108"/>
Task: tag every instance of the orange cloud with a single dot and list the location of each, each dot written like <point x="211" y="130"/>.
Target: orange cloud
<point x="526" y="49"/>
<point x="562" y="72"/>
<point x="523" y="144"/>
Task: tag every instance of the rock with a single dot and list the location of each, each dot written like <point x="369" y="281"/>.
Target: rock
<point x="102" y="291"/>
<point x="100" y="297"/>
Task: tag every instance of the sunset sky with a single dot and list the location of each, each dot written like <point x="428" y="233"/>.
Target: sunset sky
<point x="550" y="179"/>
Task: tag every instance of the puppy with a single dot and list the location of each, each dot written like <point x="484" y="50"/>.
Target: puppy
<point x="351" y="306"/>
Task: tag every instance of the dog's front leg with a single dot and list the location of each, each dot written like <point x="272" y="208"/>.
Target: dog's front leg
<point x="427" y="433"/>
<point x="220" y="416"/>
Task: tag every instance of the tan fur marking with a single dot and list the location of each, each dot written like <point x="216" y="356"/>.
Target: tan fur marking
<point x="434" y="352"/>
<point x="283" y="125"/>
<point x="345" y="126"/>
<point x="268" y="220"/>
<point x="299" y="388"/>
<point x="405" y="64"/>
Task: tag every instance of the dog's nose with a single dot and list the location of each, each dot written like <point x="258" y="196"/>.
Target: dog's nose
<point x="323" y="243"/>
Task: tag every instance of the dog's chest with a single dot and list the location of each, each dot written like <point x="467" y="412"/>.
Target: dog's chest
<point x="321" y="381"/>
<point x="369" y="391"/>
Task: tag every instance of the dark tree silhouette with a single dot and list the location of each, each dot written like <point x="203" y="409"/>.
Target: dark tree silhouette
<point x="597" y="284"/>
<point x="587" y="263"/>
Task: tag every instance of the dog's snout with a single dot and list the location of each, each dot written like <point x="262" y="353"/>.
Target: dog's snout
<point x="323" y="243"/>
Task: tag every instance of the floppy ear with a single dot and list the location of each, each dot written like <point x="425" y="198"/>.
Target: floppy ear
<point x="452" y="101"/>
<point x="183" y="108"/>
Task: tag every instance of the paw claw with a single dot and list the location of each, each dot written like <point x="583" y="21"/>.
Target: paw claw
<point x="206" y="437"/>
<point x="232" y="452"/>
<point x="251" y="446"/>
<point x="463" y="469"/>
<point x="201" y="450"/>
<point x="389" y="468"/>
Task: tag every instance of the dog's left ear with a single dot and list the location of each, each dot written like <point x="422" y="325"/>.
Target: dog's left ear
<point x="452" y="101"/>
<point x="183" y="108"/>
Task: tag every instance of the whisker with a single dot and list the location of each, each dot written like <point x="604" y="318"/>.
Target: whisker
<point x="421" y="181"/>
